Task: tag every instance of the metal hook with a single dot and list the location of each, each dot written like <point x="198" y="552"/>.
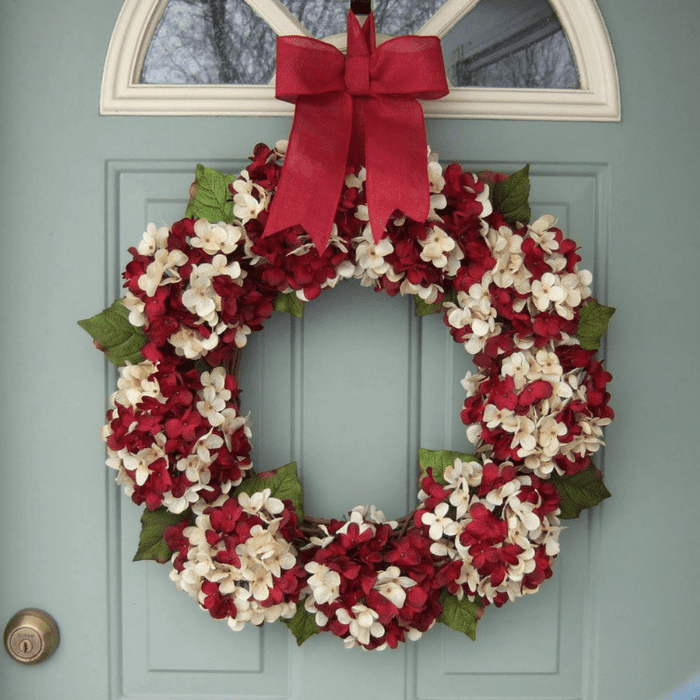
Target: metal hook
<point x="361" y="7"/>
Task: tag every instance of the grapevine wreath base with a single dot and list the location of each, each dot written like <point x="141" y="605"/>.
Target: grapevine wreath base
<point x="485" y="529"/>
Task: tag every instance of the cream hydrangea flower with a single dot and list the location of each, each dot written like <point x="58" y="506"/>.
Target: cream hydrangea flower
<point x="205" y="444"/>
<point x="438" y="522"/>
<point x="188" y="342"/>
<point x="549" y="430"/>
<point x="510" y="270"/>
<point x="437" y="181"/>
<point x="245" y="205"/>
<point x="473" y="309"/>
<point x="523" y="437"/>
<point x="363" y="623"/>
<point x="495" y="417"/>
<point x="136" y="308"/>
<point x="164" y="265"/>
<point x="357" y="181"/>
<point x="231" y="423"/>
<point x="462" y="500"/>
<point x="259" y="501"/>
<point x="140" y="463"/>
<point x="281" y="557"/>
<point x="209" y="237"/>
<point x="545" y="365"/>
<point x="540" y="232"/>
<point x="435" y="246"/>
<point x="220" y="266"/>
<point x="370" y="255"/>
<point x="393" y="586"/>
<point x="195" y="468"/>
<point x="200" y="297"/>
<point x="179" y="504"/>
<point x="216" y="379"/>
<point x="324" y="582"/>
<point x="518" y="367"/>
<point x="153" y="239"/>
<point x="211" y="406"/>
<point x="463" y="474"/>
<point x="135" y="382"/>
<point x="547" y="291"/>
<point x="428" y="294"/>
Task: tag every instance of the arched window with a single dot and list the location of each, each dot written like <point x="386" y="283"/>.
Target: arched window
<point x="534" y="59"/>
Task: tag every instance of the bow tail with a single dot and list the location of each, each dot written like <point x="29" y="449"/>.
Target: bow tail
<point x="314" y="169"/>
<point x="397" y="162"/>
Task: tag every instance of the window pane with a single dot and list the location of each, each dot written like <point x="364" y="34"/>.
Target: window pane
<point x="502" y="43"/>
<point x="210" y="41"/>
<point x="394" y="17"/>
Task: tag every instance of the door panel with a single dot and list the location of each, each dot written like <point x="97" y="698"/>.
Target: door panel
<point x="616" y="621"/>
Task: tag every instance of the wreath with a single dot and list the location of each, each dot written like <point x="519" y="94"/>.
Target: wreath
<point x="485" y="529"/>
<point x="486" y="525"/>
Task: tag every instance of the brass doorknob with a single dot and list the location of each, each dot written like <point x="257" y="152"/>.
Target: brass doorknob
<point x="31" y="636"/>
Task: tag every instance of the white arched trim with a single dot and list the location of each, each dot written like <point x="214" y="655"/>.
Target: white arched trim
<point x="597" y="100"/>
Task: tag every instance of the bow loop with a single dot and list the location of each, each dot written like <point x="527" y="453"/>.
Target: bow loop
<point x="354" y="110"/>
<point x="318" y="68"/>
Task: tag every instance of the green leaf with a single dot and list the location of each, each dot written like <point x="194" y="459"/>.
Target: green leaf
<point x="593" y="322"/>
<point x="578" y="491"/>
<point x="213" y="200"/>
<point x="202" y="366"/>
<point x="290" y="303"/>
<point x="439" y="460"/>
<point x="283" y="483"/>
<point x="151" y="542"/>
<point x="423" y="309"/>
<point x="461" y="615"/>
<point x="115" y="336"/>
<point x="302" y="625"/>
<point x="510" y="197"/>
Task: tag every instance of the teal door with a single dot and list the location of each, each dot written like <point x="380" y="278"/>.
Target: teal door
<point x="619" y="620"/>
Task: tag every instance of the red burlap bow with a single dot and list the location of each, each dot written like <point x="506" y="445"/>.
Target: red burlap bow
<point x="359" y="110"/>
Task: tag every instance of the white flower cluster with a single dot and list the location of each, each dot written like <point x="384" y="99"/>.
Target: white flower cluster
<point x="199" y="295"/>
<point x="524" y="528"/>
<point x="262" y="558"/>
<point x="554" y="291"/>
<point x="535" y="435"/>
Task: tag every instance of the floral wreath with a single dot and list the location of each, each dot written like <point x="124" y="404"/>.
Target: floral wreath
<point x="486" y="526"/>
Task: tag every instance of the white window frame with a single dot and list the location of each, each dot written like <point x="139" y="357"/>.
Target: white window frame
<point x="598" y="99"/>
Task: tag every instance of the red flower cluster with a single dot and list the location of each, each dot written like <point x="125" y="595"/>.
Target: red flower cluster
<point x="291" y="263"/>
<point x="163" y="443"/>
<point x="243" y="301"/>
<point x="588" y="406"/>
<point x="252" y="568"/>
<point x="398" y="580"/>
<point x="505" y="561"/>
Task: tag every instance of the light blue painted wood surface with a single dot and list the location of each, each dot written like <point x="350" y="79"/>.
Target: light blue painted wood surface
<point x="623" y="604"/>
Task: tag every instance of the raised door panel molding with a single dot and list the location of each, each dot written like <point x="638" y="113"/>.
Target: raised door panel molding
<point x="164" y="645"/>
<point x="541" y="646"/>
<point x="597" y="100"/>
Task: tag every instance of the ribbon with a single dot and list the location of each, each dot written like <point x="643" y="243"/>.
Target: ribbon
<point x="359" y="110"/>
